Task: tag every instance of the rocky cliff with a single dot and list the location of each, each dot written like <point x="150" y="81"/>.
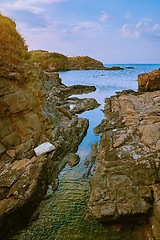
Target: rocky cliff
<point x="34" y="108"/>
<point x="125" y="183"/>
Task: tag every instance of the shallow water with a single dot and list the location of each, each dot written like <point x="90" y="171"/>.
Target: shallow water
<point x="62" y="215"/>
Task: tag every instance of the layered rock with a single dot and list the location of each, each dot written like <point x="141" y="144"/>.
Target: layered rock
<point x="149" y="81"/>
<point x="35" y="108"/>
<point x="125" y="182"/>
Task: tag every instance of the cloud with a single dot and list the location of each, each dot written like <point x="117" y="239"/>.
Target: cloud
<point x="50" y="32"/>
<point x="156" y="29"/>
<point x="49" y="28"/>
<point x="27" y="5"/>
<point x="21" y="5"/>
<point x="128" y="31"/>
<point x="127" y="14"/>
<point x="45" y="1"/>
<point x="143" y="29"/>
<point x="105" y="17"/>
<point x="88" y="26"/>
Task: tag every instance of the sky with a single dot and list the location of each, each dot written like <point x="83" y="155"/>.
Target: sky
<point x="112" y="31"/>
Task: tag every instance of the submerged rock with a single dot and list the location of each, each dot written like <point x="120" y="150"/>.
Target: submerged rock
<point x="72" y="159"/>
<point x="125" y="181"/>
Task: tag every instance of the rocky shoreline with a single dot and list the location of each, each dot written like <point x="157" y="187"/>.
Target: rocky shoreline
<point x="37" y="108"/>
<point x="125" y="180"/>
<point x="33" y="112"/>
<point x="125" y="185"/>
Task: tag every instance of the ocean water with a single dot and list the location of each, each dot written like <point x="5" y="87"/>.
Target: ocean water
<point x="107" y="82"/>
<point x="62" y="214"/>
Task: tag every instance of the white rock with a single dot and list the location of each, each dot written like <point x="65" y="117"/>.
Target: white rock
<point x="72" y="106"/>
<point x="44" y="148"/>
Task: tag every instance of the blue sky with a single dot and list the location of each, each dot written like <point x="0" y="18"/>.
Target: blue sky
<point x="114" y="31"/>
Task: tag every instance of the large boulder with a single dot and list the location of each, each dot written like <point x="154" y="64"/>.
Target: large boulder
<point x="149" y="81"/>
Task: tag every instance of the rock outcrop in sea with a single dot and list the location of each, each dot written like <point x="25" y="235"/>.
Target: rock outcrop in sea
<point x="149" y="81"/>
<point x="125" y="181"/>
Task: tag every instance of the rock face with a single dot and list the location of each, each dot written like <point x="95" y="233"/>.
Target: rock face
<point x="34" y="111"/>
<point x="149" y="81"/>
<point x="125" y="182"/>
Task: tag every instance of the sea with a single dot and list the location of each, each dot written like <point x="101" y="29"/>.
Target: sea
<point x="62" y="213"/>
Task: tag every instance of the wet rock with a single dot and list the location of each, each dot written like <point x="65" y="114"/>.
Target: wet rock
<point x="81" y="105"/>
<point x="113" y="68"/>
<point x="127" y="168"/>
<point x="78" y="89"/>
<point x="129" y="67"/>
<point x="72" y="159"/>
<point x="90" y="159"/>
<point x="149" y="81"/>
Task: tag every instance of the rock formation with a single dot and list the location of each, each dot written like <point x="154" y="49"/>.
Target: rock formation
<point x="125" y="182"/>
<point x="149" y="81"/>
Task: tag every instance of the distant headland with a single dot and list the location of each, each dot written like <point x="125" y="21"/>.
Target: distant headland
<point x="55" y="62"/>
